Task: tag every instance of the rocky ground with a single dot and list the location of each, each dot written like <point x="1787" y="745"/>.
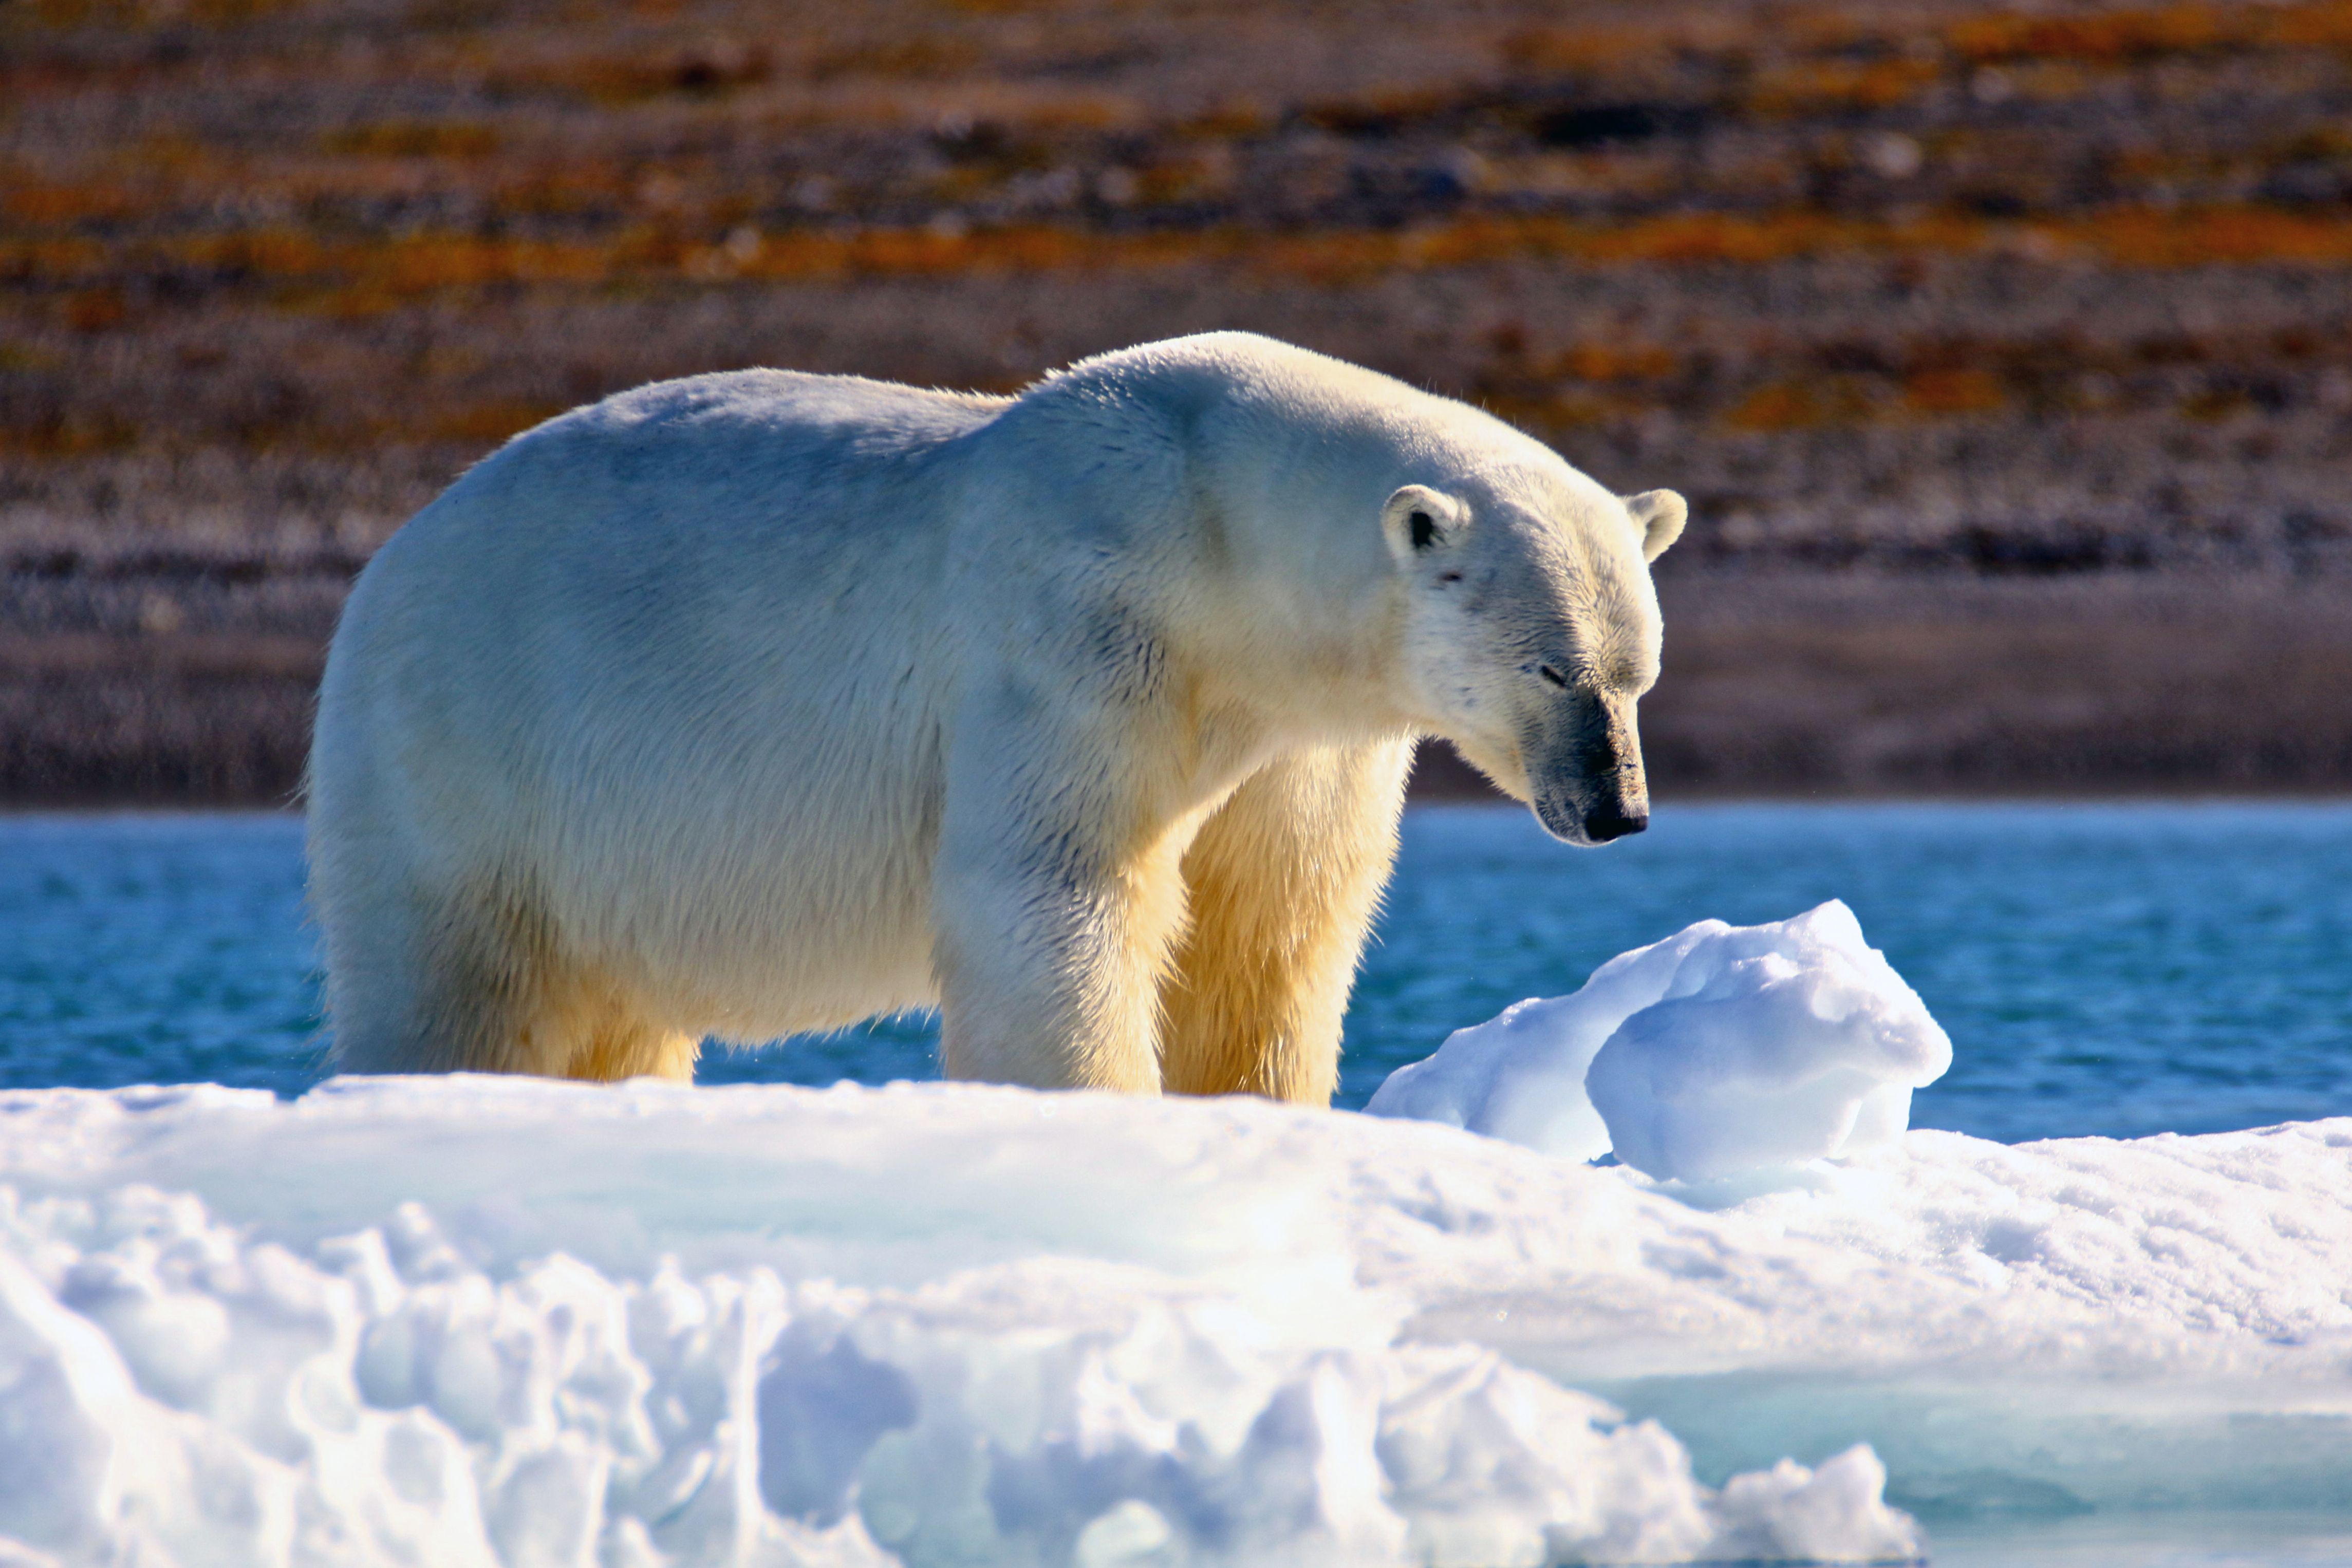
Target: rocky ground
<point x="2006" y="356"/>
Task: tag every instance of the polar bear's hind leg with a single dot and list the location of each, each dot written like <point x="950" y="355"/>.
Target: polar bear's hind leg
<point x="479" y="984"/>
<point x="607" y="1040"/>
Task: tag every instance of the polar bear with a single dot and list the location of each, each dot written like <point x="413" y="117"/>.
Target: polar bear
<point x="759" y="702"/>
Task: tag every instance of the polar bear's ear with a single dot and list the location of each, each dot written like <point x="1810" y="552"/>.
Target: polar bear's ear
<point x="1418" y="520"/>
<point x="1660" y="515"/>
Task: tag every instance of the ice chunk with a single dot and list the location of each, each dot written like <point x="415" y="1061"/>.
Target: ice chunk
<point x="1833" y="1514"/>
<point x="1721" y="1050"/>
<point x="1772" y="1045"/>
<point x="1521" y="1076"/>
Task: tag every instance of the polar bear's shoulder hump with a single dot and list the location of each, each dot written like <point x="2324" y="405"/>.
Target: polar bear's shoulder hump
<point x="777" y="399"/>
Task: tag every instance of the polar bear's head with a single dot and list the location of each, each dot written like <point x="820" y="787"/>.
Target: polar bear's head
<point x="1531" y="630"/>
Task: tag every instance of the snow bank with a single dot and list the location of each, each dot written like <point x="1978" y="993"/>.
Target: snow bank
<point x="469" y="1320"/>
<point x="952" y="1325"/>
<point x="1720" y="1050"/>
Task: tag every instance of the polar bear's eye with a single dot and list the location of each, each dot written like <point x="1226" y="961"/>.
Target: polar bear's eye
<point x="1548" y="673"/>
<point x="1424" y="530"/>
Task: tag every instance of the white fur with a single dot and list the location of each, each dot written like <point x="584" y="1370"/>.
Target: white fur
<point x="760" y="702"/>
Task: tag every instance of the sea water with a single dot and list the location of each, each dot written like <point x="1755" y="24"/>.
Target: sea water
<point x="2105" y="969"/>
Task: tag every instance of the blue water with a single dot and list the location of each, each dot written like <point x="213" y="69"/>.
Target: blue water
<point x="2101" y="968"/>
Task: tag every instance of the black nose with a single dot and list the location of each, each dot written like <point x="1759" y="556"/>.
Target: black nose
<point x="1603" y="823"/>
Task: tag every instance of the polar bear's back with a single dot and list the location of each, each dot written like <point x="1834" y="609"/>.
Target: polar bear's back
<point x="664" y="653"/>
<point x="707" y="544"/>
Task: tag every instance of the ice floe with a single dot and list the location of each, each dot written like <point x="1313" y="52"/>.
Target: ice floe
<point x="1719" y="1050"/>
<point x="469" y="1320"/>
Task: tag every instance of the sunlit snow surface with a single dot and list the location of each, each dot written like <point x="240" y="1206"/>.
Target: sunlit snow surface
<point x="469" y="1320"/>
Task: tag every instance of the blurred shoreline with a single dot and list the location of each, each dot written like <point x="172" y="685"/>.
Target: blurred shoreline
<point x="173" y="685"/>
<point x="2005" y="357"/>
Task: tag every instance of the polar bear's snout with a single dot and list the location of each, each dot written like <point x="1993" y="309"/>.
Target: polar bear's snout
<point x="1586" y="781"/>
<point x="1614" y="819"/>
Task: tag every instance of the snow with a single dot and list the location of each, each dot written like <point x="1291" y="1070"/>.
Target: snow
<point x="1720" y="1051"/>
<point x="477" y="1321"/>
<point x="850" y="1327"/>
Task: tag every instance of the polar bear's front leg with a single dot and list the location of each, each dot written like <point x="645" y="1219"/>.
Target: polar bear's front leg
<point x="1054" y="917"/>
<point x="1283" y="882"/>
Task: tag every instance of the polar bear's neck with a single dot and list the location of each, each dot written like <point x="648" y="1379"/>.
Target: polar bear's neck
<point x="1259" y="471"/>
